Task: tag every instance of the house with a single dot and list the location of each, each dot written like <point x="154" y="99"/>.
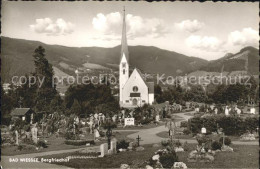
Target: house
<point x="26" y="114"/>
<point x="134" y="91"/>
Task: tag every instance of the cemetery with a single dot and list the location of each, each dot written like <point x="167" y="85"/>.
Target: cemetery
<point x="135" y="125"/>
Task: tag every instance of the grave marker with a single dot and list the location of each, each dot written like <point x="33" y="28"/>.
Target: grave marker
<point x="34" y="135"/>
<point x="138" y="140"/>
<point x="103" y="149"/>
<point x="16" y="137"/>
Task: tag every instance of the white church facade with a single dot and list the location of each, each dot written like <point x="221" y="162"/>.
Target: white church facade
<point x="134" y="90"/>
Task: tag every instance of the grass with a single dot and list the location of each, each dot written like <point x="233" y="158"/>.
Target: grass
<point x="133" y="158"/>
<point x="243" y="157"/>
<point x="165" y="134"/>
<point x="55" y="144"/>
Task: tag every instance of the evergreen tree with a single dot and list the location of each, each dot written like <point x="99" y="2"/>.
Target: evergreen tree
<point x="76" y="108"/>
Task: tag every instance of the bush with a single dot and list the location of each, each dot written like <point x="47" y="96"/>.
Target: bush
<point x="184" y="124"/>
<point x="167" y="160"/>
<point x="122" y="144"/>
<point x="42" y="144"/>
<point x="227" y="141"/>
<point x="216" y="145"/>
<point x="20" y="147"/>
<point x="165" y="143"/>
<point x="78" y="142"/>
<point x="186" y="131"/>
<point x="146" y="121"/>
<point x="71" y="136"/>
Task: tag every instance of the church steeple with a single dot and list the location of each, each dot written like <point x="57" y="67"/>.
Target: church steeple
<point x="124" y="48"/>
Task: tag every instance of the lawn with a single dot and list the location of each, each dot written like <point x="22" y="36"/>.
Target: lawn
<point x="58" y="144"/>
<point x="242" y="157"/>
<point x="133" y="158"/>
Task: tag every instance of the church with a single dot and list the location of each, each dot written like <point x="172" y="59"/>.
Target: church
<point x="134" y="90"/>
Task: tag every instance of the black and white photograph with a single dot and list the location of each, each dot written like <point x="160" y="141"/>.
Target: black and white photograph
<point x="129" y="84"/>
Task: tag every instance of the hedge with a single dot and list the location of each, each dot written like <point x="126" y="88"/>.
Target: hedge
<point x="79" y="142"/>
<point x="231" y="125"/>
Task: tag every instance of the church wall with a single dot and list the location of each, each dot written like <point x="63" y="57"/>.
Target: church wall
<point x="135" y="80"/>
<point x="151" y="98"/>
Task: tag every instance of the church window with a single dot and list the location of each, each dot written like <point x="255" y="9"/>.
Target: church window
<point x="143" y="101"/>
<point x="123" y="71"/>
<point x="135" y="89"/>
<point x="127" y="101"/>
<point x="124" y="65"/>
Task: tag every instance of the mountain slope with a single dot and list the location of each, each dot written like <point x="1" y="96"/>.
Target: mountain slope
<point x="247" y="59"/>
<point x="17" y="58"/>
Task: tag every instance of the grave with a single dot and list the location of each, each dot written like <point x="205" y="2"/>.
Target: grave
<point x="113" y="146"/>
<point x="34" y="131"/>
<point x="129" y="121"/>
<point x="103" y="149"/>
<point x="16" y="137"/>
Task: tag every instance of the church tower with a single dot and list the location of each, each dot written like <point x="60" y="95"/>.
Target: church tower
<point x="124" y="62"/>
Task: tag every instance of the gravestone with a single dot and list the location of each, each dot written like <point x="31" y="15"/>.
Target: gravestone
<point x="216" y="111"/>
<point x="34" y="131"/>
<point x="91" y="126"/>
<point x="226" y="111"/>
<point x="97" y="133"/>
<point x="103" y="149"/>
<point x="157" y="118"/>
<point x="130" y="147"/>
<point x="114" y="118"/>
<point x="129" y="121"/>
<point x="252" y="110"/>
<point x="113" y="146"/>
<point x="16" y="137"/>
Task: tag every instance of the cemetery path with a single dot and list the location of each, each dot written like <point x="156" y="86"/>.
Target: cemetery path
<point x="35" y="165"/>
<point x="148" y="136"/>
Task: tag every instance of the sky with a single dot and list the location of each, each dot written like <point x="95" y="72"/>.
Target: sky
<point x="206" y="30"/>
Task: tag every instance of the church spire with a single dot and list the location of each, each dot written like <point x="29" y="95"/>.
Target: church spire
<point x="124" y="48"/>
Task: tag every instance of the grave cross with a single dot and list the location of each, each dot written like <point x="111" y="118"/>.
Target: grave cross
<point x="138" y="140"/>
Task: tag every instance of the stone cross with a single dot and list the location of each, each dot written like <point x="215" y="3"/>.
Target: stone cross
<point x="138" y="140"/>
<point x="16" y="137"/>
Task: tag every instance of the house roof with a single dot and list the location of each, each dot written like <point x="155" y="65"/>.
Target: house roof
<point x="20" y="111"/>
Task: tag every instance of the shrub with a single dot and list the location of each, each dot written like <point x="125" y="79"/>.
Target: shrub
<point x="185" y="146"/>
<point x="216" y="145"/>
<point x="71" y="136"/>
<point x="184" y="124"/>
<point x="122" y="144"/>
<point x="177" y="143"/>
<point x="167" y="160"/>
<point x="165" y="143"/>
<point x="42" y="144"/>
<point x="26" y="127"/>
<point x="146" y="121"/>
<point x="78" y="142"/>
<point x="186" y="131"/>
<point x="20" y="147"/>
<point x="227" y="141"/>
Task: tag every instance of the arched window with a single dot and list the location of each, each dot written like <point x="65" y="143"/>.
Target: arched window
<point x="135" y="89"/>
<point x="123" y="71"/>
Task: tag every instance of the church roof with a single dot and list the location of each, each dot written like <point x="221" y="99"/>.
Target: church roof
<point x="124" y="47"/>
<point x="150" y="85"/>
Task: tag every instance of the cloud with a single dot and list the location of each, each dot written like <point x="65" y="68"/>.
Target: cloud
<point x="190" y="26"/>
<point x="206" y="43"/>
<point x="111" y="24"/>
<point x="246" y="37"/>
<point x="48" y="27"/>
